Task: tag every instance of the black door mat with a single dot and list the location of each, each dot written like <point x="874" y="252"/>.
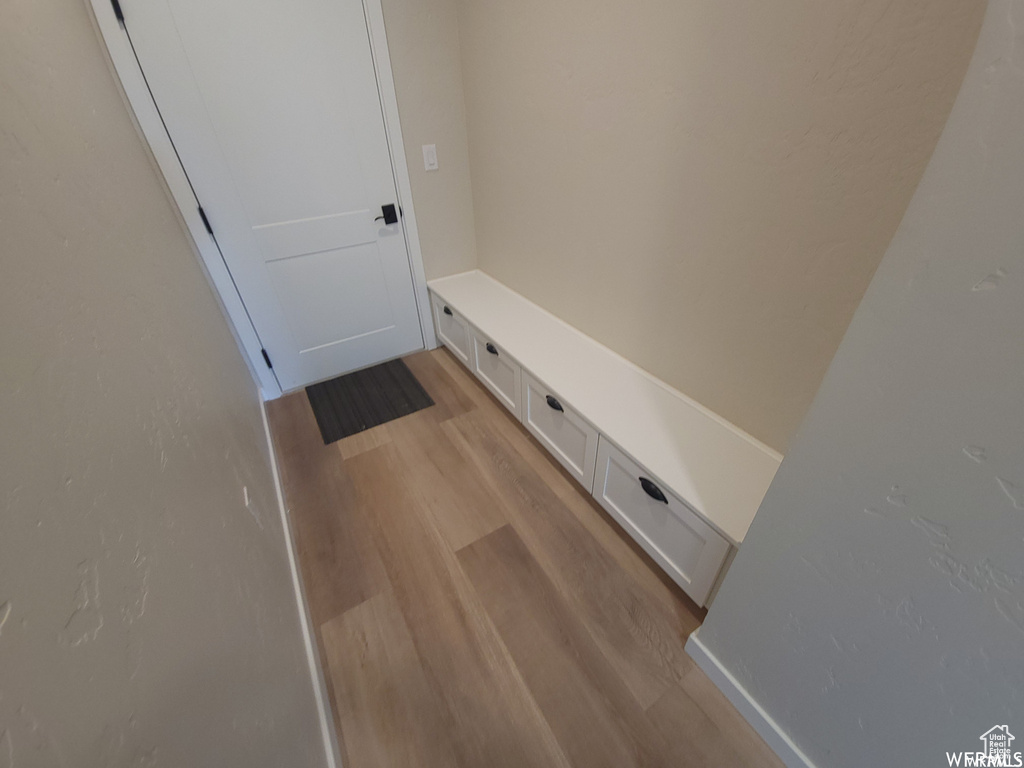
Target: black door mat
<point x="357" y="401"/>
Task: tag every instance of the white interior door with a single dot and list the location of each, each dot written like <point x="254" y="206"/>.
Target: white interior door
<point x="273" y="109"/>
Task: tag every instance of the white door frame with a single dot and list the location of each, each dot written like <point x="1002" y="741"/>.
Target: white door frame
<point x="129" y="72"/>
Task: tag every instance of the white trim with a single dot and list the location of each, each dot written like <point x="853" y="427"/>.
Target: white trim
<point x="713" y="467"/>
<point x="726" y="565"/>
<point x="438" y="285"/>
<point x="147" y="118"/>
<point x="776" y="738"/>
<point x="316" y="672"/>
<point x="374" y="13"/>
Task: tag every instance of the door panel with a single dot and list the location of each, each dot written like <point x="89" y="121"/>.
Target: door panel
<point x="274" y="110"/>
<point x="499" y="372"/>
<point x="690" y="550"/>
<point x="566" y="435"/>
<point x="308" y="289"/>
<point x="287" y="238"/>
<point x="453" y="331"/>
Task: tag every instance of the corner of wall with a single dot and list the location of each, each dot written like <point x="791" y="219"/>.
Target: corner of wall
<point x="759" y="719"/>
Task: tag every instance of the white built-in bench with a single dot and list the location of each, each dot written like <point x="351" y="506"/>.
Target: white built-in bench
<point x="682" y="481"/>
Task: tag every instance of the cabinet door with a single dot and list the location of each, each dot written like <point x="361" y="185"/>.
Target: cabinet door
<point x="560" y="429"/>
<point x="452" y="330"/>
<point x="689" y="549"/>
<point x="499" y="372"/>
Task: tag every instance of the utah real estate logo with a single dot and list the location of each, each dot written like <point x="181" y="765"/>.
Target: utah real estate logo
<point x="996" y="751"/>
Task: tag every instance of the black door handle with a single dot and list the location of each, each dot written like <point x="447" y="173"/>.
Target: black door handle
<point x="447" y="310"/>
<point x="554" y="404"/>
<point x="389" y="214"/>
<point x="491" y="348"/>
<point x="652" y="490"/>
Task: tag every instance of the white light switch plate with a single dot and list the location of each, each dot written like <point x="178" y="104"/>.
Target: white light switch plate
<point x="430" y="157"/>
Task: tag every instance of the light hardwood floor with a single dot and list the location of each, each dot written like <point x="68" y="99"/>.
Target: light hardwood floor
<point x="474" y="607"/>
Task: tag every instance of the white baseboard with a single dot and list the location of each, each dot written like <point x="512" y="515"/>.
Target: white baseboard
<point x="751" y="711"/>
<point x="316" y="672"/>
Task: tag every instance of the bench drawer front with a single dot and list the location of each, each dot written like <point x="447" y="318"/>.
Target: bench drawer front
<point x="570" y="439"/>
<point x="499" y="372"/>
<point x="452" y="329"/>
<point x="689" y="549"/>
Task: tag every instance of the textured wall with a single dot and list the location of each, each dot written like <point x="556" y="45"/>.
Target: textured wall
<point x="147" y="616"/>
<point x="423" y="39"/>
<point x="876" y="608"/>
<point x="705" y="187"/>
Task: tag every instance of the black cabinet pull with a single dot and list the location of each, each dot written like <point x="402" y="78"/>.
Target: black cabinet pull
<point x="554" y="404"/>
<point x="491" y="348"/>
<point x="447" y="310"/>
<point x="652" y="490"/>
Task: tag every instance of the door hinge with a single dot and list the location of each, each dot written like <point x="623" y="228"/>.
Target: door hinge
<point x="117" y="11"/>
<point x="206" y="221"/>
<point x="266" y="357"/>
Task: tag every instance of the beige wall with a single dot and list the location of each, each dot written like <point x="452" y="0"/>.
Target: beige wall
<point x="706" y="187"/>
<point x="423" y="40"/>
<point x="876" y="607"/>
<point x="147" y="616"/>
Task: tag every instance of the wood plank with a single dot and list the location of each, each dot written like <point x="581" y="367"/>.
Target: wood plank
<point x="495" y="721"/>
<point x="389" y="714"/>
<point x="642" y="639"/>
<point x="699" y="742"/>
<point x="743" y="739"/>
<point x="593" y="714"/>
<point x="458" y="500"/>
<point x="293" y="425"/>
<point x="417" y="663"/>
<point x="364" y="441"/>
<point x="449" y="399"/>
<point x="627" y="553"/>
<point x="339" y="560"/>
<point x="464" y="380"/>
